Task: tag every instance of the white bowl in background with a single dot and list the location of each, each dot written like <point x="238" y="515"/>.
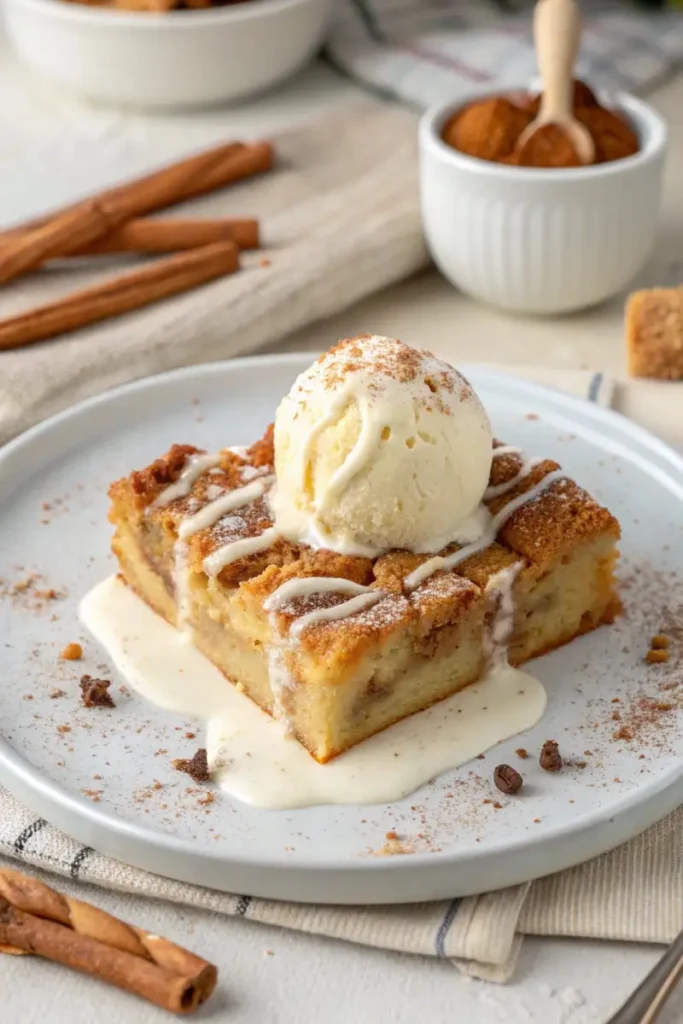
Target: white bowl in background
<point x="180" y="59"/>
<point x="534" y="240"/>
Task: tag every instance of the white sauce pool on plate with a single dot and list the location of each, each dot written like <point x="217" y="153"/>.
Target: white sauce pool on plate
<point x="260" y="766"/>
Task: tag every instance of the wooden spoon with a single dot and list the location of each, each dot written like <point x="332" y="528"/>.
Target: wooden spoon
<point x="557" y="30"/>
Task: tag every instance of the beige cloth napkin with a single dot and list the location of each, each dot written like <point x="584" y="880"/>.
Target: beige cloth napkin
<point x="341" y="220"/>
<point x="634" y="893"/>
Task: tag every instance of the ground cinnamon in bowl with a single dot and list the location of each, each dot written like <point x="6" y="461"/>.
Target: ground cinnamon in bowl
<point x="490" y="129"/>
<point x="487" y="129"/>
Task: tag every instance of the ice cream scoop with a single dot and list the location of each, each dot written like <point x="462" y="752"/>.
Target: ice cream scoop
<point x="377" y="446"/>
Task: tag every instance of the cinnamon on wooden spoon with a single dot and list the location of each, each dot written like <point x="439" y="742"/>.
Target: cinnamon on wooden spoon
<point x="557" y="30"/>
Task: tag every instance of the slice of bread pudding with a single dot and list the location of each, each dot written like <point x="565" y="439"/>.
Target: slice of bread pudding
<point x="337" y="646"/>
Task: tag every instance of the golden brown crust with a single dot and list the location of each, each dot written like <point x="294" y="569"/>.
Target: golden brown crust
<point x="538" y="534"/>
<point x="442" y="601"/>
<point x="503" y="467"/>
<point x="262" y="452"/>
<point x="493" y="559"/>
<point x="391" y="569"/>
<point x="331" y="563"/>
<point x="558" y="519"/>
<point x="144" y="485"/>
<point x="308" y="563"/>
<point x="503" y="474"/>
<point x="554" y="524"/>
<point x="368" y="630"/>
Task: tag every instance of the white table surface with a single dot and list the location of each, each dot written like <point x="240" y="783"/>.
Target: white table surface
<point x="52" y="149"/>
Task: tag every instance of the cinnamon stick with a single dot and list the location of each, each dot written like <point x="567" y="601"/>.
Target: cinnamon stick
<point x="35" y="918"/>
<point x="146" y="235"/>
<point x="186" y="179"/>
<point x="133" y="290"/>
<point x="80" y="224"/>
<point x="75" y="227"/>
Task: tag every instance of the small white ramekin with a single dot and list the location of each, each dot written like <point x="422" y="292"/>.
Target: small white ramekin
<point x="541" y="240"/>
<point x="177" y="60"/>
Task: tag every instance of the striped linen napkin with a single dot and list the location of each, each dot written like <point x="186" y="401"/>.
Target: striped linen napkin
<point x="428" y="51"/>
<point x="634" y="893"/>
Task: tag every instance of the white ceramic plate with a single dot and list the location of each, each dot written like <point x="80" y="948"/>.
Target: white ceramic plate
<point x="97" y="781"/>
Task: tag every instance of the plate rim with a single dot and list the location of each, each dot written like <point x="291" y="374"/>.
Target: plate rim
<point x="16" y="768"/>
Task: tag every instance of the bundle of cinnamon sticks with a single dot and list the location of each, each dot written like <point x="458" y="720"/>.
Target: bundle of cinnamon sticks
<point x="116" y="221"/>
<point x="35" y="919"/>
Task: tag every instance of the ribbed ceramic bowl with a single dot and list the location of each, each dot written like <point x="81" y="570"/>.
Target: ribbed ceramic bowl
<point x="541" y="240"/>
<point x="172" y="61"/>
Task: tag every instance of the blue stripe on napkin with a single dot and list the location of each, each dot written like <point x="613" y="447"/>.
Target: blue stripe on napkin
<point x="594" y="387"/>
<point x="445" y="927"/>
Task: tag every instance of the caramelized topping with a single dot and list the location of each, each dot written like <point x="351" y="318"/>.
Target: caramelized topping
<point x="558" y="517"/>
